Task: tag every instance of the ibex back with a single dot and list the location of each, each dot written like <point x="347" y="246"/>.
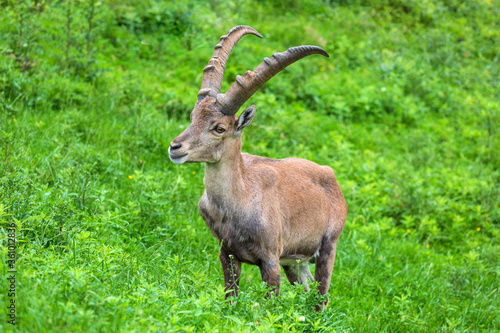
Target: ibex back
<point x="264" y="212"/>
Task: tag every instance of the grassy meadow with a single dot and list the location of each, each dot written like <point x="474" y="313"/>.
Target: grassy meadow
<point x="406" y="111"/>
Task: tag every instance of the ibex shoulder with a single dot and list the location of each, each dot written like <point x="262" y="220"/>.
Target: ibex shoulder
<point x="292" y="166"/>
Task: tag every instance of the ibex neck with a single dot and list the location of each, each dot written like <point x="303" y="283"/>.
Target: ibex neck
<point x="224" y="181"/>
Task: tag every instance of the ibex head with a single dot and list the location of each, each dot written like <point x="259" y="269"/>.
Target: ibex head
<point x="214" y="127"/>
<point x="210" y="133"/>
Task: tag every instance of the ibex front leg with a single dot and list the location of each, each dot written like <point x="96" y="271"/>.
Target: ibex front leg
<point x="232" y="270"/>
<point x="270" y="271"/>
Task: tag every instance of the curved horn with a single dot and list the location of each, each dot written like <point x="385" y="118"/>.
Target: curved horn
<point x="214" y="71"/>
<point x="246" y="85"/>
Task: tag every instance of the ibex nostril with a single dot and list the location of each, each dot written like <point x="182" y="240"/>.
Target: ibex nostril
<point x="175" y="146"/>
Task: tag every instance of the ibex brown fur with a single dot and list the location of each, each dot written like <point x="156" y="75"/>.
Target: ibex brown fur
<point x="263" y="211"/>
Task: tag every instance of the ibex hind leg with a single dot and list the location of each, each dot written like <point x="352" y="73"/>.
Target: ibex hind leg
<point x="324" y="267"/>
<point x="299" y="273"/>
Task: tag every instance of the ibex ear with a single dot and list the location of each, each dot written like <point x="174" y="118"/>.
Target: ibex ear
<point x="244" y="119"/>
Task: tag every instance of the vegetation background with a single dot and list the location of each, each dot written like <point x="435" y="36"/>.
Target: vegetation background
<point x="406" y="111"/>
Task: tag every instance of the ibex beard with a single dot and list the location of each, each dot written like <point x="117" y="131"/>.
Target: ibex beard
<point x="263" y="211"/>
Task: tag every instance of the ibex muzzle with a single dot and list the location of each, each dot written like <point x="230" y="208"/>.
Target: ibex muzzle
<point x="263" y="211"/>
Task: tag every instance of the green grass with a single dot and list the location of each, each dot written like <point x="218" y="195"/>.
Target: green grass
<point x="406" y="112"/>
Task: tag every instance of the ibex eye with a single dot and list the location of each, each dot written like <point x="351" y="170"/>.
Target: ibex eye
<point x="220" y="130"/>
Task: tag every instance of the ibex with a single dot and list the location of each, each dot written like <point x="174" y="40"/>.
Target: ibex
<point x="263" y="211"/>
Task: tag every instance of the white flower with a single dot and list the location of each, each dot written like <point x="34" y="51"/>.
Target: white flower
<point x="302" y="318"/>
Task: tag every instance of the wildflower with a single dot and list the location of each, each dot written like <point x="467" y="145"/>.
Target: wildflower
<point x="194" y="172"/>
<point x="130" y="177"/>
<point x="427" y="245"/>
<point x="408" y="231"/>
<point x="256" y="323"/>
<point x="379" y="259"/>
<point x="302" y="318"/>
<point x="478" y="229"/>
<point x="15" y="119"/>
<point x="383" y="89"/>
